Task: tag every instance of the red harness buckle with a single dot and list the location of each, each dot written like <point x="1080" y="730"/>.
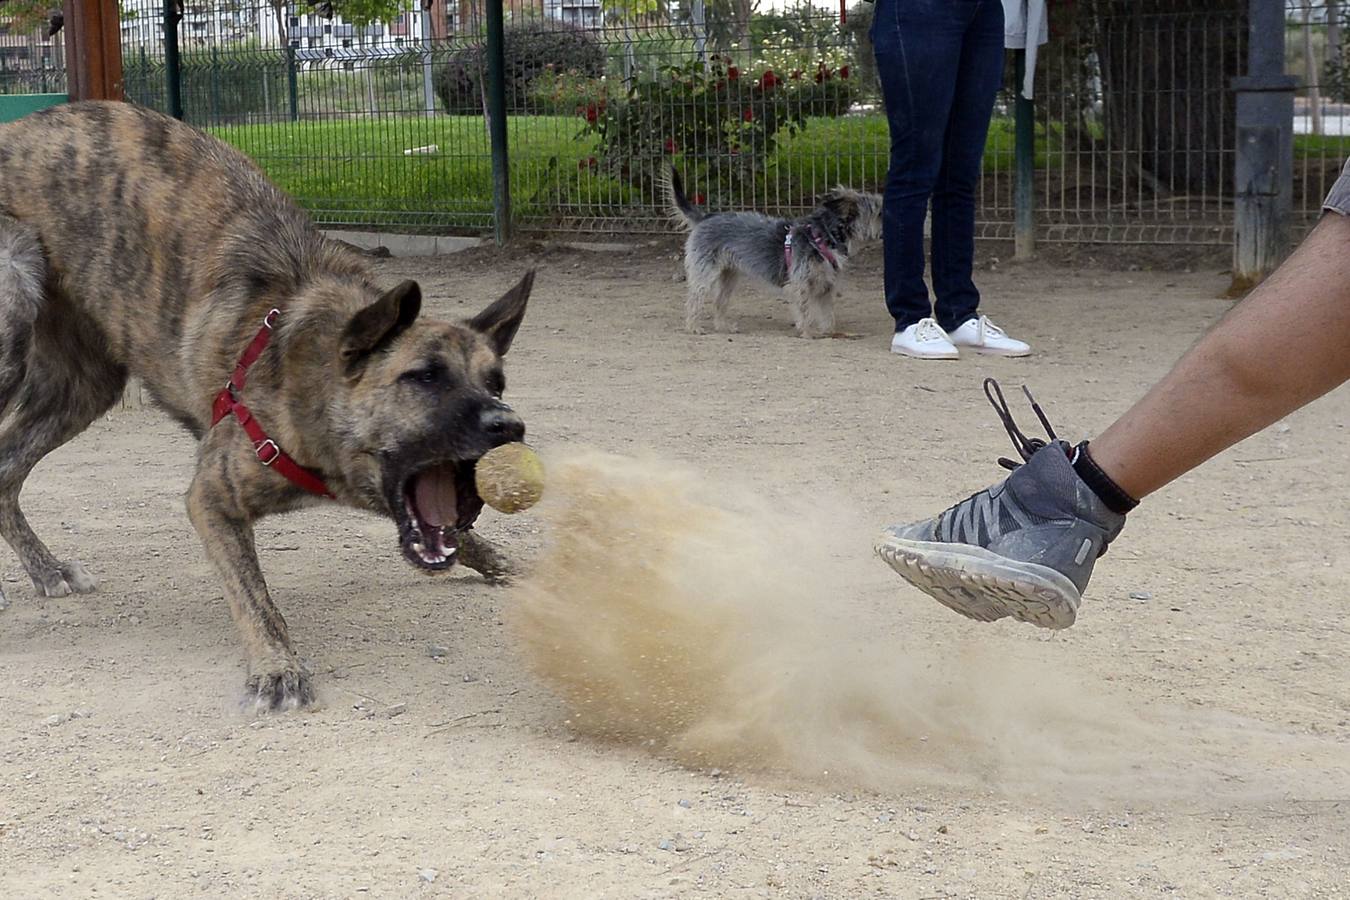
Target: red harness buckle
<point x="263" y="456"/>
<point x="266" y="449"/>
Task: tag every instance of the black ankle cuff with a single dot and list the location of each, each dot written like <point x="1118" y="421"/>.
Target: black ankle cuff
<point x="1110" y="493"/>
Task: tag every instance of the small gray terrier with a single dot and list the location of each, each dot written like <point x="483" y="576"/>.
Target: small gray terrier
<point x="803" y="256"/>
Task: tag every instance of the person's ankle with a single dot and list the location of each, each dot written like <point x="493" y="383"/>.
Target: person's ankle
<point x="1111" y="494"/>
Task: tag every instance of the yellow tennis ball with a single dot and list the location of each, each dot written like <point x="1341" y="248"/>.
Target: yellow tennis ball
<point x="510" y="478"/>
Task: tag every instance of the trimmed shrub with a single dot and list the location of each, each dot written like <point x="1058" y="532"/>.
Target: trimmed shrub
<point x="531" y="49"/>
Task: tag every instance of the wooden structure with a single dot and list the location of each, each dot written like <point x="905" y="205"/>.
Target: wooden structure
<point x="93" y="49"/>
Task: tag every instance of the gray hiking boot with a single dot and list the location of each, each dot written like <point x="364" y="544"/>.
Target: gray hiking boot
<point x="1023" y="548"/>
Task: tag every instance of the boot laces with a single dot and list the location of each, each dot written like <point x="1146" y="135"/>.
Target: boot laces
<point x="1025" y="446"/>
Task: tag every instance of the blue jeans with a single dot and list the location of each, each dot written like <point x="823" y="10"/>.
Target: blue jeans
<point x="940" y="63"/>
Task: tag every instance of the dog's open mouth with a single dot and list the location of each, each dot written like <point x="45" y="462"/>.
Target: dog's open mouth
<point x="439" y="502"/>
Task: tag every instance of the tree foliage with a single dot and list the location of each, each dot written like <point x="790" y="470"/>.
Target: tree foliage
<point x="25" y="15"/>
<point x="367" y="12"/>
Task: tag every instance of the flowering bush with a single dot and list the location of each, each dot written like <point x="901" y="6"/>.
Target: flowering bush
<point x="714" y="115"/>
<point x="566" y="93"/>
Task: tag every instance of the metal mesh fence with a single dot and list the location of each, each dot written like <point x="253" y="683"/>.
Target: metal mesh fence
<point x="1315" y="54"/>
<point x="1135" y="120"/>
<point x="31" y="60"/>
<point x="381" y="124"/>
<point x="345" y="117"/>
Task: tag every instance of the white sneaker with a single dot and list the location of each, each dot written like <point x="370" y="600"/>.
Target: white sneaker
<point x="983" y="336"/>
<point x="925" y="339"/>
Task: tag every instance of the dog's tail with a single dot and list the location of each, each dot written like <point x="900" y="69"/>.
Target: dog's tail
<point x="683" y="213"/>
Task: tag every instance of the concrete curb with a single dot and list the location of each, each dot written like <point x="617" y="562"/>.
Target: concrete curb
<point x="407" y="244"/>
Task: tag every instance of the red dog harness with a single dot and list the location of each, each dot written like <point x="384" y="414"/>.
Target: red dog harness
<point x="817" y="241"/>
<point x="269" y="454"/>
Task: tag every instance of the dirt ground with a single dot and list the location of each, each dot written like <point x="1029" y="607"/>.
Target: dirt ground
<point x="1196" y="737"/>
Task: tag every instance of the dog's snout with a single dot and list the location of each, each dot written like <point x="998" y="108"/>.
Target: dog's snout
<point x="501" y="422"/>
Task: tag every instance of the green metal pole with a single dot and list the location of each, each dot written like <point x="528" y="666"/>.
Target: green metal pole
<point x="292" y="83"/>
<point x="215" y="86"/>
<point x="496" y="112"/>
<point x="173" y="69"/>
<point x="1024" y="162"/>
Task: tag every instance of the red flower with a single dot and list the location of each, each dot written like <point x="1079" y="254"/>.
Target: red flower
<point x="748" y="114"/>
<point x="768" y="79"/>
<point x="733" y="73"/>
<point x="843" y="72"/>
<point x="672" y="147"/>
<point x="592" y="113"/>
<point x="699" y="199"/>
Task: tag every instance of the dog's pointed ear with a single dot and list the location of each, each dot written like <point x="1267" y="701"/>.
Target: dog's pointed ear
<point x="842" y="203"/>
<point x="379" y="323"/>
<point x="499" y="322"/>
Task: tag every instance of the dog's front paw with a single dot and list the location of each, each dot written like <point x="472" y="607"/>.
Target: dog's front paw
<point x="280" y="691"/>
<point x="480" y="555"/>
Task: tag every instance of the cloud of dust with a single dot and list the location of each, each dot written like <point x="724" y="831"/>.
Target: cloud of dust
<point x="701" y="622"/>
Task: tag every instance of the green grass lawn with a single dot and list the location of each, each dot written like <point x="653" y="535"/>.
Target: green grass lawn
<point x="357" y="172"/>
<point x="1321" y="146"/>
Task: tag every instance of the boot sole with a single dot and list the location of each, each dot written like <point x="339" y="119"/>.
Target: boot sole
<point x="982" y="585"/>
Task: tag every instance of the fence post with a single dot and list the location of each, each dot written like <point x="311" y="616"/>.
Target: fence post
<point x="1024" y="162"/>
<point x="215" y="86"/>
<point x="1263" y="172"/>
<point x="173" y="70"/>
<point x="496" y="100"/>
<point x="292" y="84"/>
<point x="93" y="41"/>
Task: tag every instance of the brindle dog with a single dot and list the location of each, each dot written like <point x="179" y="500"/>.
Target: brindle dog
<point x="131" y="244"/>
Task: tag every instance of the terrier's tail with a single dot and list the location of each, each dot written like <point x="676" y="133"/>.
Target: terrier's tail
<point x="683" y="213"/>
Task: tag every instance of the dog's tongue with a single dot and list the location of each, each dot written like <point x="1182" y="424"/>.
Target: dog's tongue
<point x="436" y="496"/>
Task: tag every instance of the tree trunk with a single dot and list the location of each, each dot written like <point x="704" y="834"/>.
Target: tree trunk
<point x="743" y="10"/>
<point x="1166" y="73"/>
<point x="280" y="10"/>
<point x="1311" y="73"/>
<point x="1333" y="33"/>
